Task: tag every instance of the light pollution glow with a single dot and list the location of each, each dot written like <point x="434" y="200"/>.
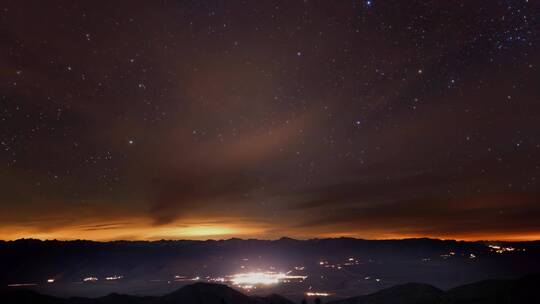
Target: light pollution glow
<point x="218" y="228"/>
<point x="126" y="230"/>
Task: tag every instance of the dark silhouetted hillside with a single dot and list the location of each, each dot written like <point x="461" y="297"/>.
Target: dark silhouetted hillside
<point x="207" y="294"/>
<point x="27" y="297"/>
<point x="274" y="299"/>
<point x="198" y="293"/>
<point x="524" y="290"/>
<point x="411" y="293"/>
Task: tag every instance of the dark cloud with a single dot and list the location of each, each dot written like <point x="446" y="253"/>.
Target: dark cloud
<point x="464" y="217"/>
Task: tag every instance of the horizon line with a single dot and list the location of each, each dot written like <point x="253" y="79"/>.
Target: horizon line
<point x="269" y="239"/>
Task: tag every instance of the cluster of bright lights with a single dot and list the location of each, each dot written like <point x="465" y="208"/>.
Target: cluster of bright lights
<point x="21" y="284"/>
<point x="352" y="262"/>
<point x="501" y="249"/>
<point x="90" y="279"/>
<point x="50" y="280"/>
<point x="369" y="278"/>
<point x="448" y="255"/>
<point x="114" y="278"/>
<point x="180" y="278"/>
<point x="348" y="262"/>
<point x="265" y="278"/>
<point x="317" y="294"/>
<point x="218" y="279"/>
<point x="262" y="278"/>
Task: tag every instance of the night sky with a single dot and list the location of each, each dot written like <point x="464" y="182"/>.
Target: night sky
<point x="218" y="119"/>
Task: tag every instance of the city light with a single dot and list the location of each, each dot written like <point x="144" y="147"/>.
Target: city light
<point x="21" y="284"/>
<point x="179" y="278"/>
<point x="317" y="294"/>
<point x="90" y="279"/>
<point x="262" y="278"/>
<point x="501" y="249"/>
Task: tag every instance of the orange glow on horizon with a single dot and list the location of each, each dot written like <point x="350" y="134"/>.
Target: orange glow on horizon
<point x="145" y="230"/>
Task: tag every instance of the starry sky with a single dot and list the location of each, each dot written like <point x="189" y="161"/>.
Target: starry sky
<point x="216" y="119"/>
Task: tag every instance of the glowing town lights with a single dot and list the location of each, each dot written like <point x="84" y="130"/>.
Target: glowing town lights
<point x="114" y="278"/>
<point x="90" y="279"/>
<point x="448" y="255"/>
<point x="501" y="249"/>
<point x="247" y="287"/>
<point x="262" y="278"/>
<point x="179" y="278"/>
<point x="257" y="278"/>
<point x="50" y="280"/>
<point x="22" y="284"/>
<point x="317" y="294"/>
<point x="351" y="262"/>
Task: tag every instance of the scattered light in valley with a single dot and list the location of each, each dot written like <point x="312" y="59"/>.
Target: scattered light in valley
<point x="317" y="294"/>
<point x="262" y="278"/>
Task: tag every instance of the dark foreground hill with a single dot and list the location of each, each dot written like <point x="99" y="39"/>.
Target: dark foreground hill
<point x="199" y="293"/>
<point x="524" y="290"/>
<point x="406" y="293"/>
